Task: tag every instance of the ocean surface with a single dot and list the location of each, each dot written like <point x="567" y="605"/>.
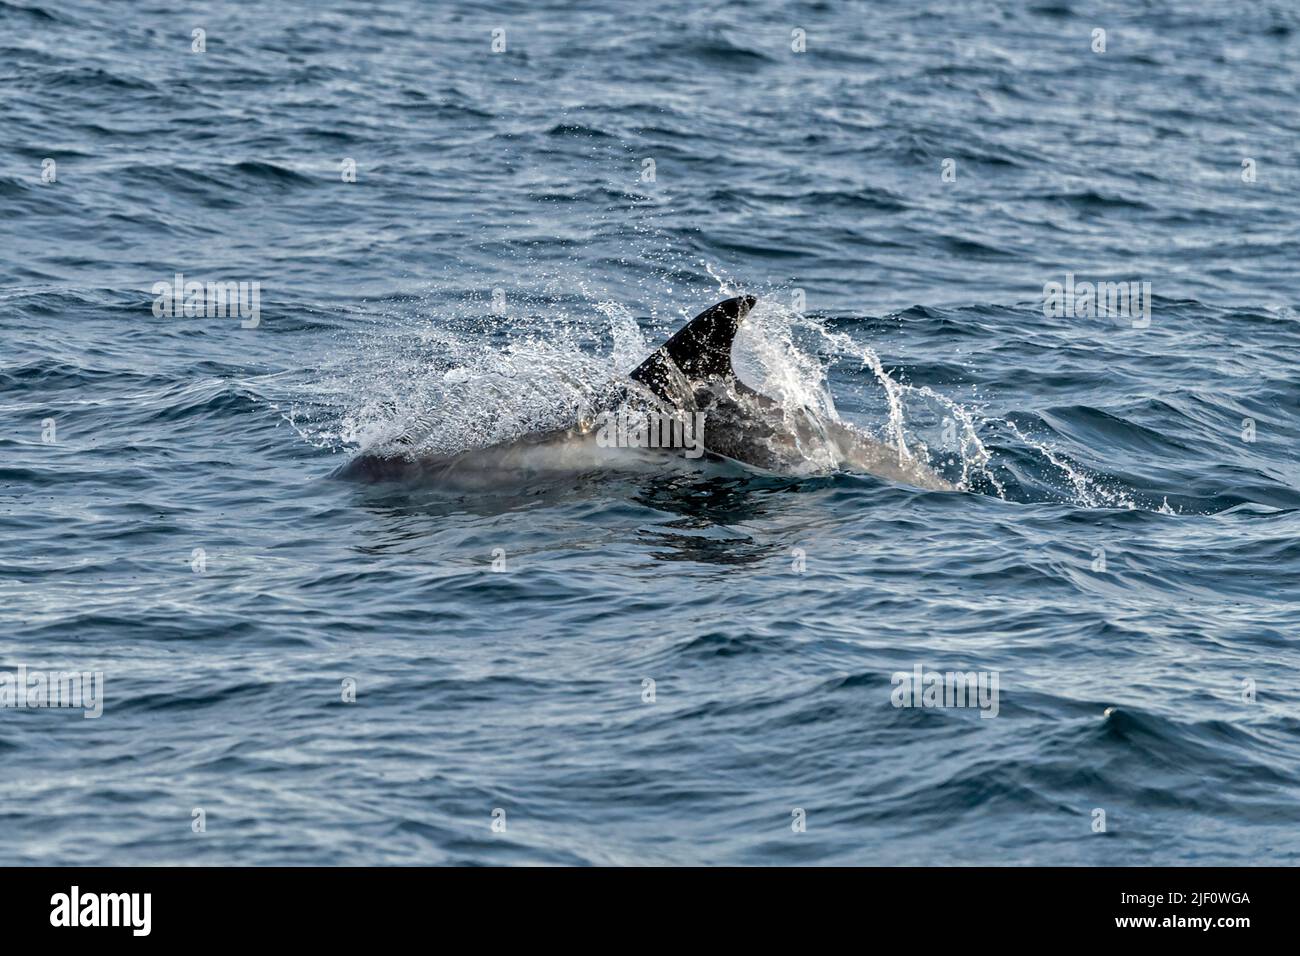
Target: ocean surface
<point x="645" y="659"/>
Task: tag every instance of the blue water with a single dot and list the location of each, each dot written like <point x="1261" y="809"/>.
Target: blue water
<point x="185" y="533"/>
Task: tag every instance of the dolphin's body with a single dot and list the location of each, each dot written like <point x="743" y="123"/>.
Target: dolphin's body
<point x="690" y="377"/>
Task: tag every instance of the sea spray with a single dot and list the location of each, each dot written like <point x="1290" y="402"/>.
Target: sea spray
<point x="449" y="380"/>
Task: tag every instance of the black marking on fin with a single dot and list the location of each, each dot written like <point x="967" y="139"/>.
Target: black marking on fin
<point x="699" y="349"/>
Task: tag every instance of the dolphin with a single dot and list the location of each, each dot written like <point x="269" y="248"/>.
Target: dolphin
<point x="689" y="379"/>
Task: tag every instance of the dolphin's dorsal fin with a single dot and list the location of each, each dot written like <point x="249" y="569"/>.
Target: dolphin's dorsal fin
<point x="698" y="350"/>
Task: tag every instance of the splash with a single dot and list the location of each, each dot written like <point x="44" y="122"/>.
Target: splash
<point x="469" y="378"/>
<point x="445" y="382"/>
<point x="787" y="355"/>
<point x="1088" y="491"/>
